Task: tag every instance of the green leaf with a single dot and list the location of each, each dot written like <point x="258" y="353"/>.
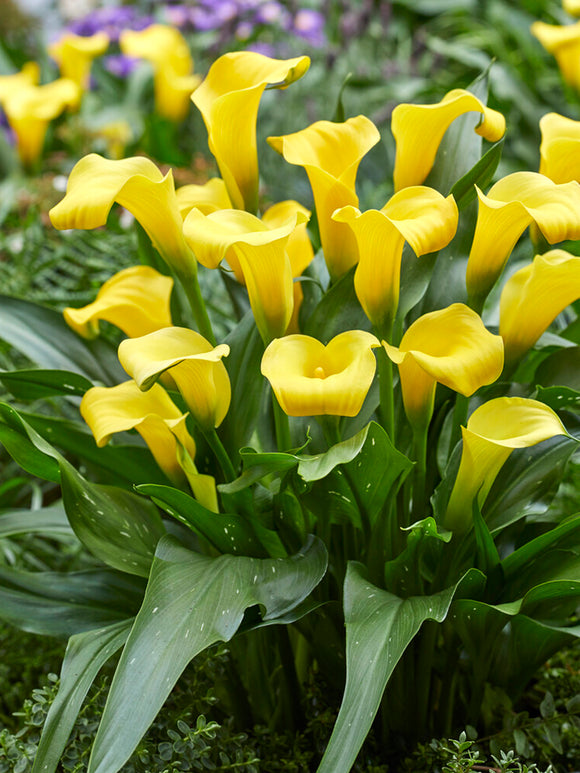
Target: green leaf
<point x="379" y="627"/>
<point x="339" y="310"/>
<point x="117" y="526"/>
<point x="560" y="369"/>
<point x="405" y="574"/>
<point x="34" y="384"/>
<point x="559" y="398"/>
<point x="26" y="447"/>
<point x="192" y="601"/>
<point x="256" y="466"/>
<point x="51" y="521"/>
<point x="85" y="654"/>
<point x="481" y="174"/>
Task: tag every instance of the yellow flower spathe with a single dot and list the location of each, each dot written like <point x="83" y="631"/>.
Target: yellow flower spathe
<point x="419" y="129"/>
<point x="193" y="363"/>
<point x="136" y="300"/>
<point x="209" y="197"/>
<point x="74" y="55"/>
<point x="228" y="100"/>
<point x="310" y="379"/>
<point x="564" y="44"/>
<point x="450" y="346"/>
<point x="533" y="297"/>
<point x="418" y="215"/>
<point x="331" y="153"/>
<point x="572" y="7"/>
<point x="560" y="148"/>
<point x="493" y="431"/>
<point x="29" y="75"/>
<point x="511" y="205"/>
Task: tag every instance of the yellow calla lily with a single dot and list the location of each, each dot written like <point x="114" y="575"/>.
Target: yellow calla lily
<point x="209" y="197"/>
<point x="533" y="297"/>
<point x="450" y="346"/>
<point x="29" y="75"/>
<point x="310" y="379"/>
<point x="193" y="363"/>
<point x="419" y="129"/>
<point x="228" y="100"/>
<point x="95" y="183"/>
<point x="418" y="215"/>
<point x="331" y="153"/>
<point x="29" y="111"/>
<point x="560" y="148"/>
<point x="564" y="44"/>
<point x="167" y="51"/>
<point x="572" y="7"/>
<point x="260" y="253"/>
<point x="511" y="205"/>
<point x="136" y="300"/>
<point x="493" y="431"/>
<point x="74" y="55"/>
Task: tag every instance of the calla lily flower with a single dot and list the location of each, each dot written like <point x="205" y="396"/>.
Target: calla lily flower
<point x="331" y="153"/>
<point x="560" y="148"/>
<point x="419" y="129"/>
<point x="564" y="44"/>
<point x="10" y="84"/>
<point x="572" y="7"/>
<point x="95" y="183"/>
<point x="228" y="100"/>
<point x="193" y="363"/>
<point x="74" y="55"/>
<point x="493" y="431"/>
<point x="511" y="205"/>
<point x="30" y="110"/>
<point x="310" y="379"/>
<point x="419" y="215"/>
<point x="167" y="51"/>
<point x="533" y="297"/>
<point x="209" y="197"/>
<point x="258" y="252"/>
<point x="450" y="346"/>
<point x="136" y="300"/>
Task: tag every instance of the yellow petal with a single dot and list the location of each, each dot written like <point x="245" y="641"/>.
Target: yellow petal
<point x="418" y="215"/>
<point x="572" y="7"/>
<point x="10" y="84"/>
<point x="228" y="100"/>
<point x="74" y="55"/>
<point x="450" y="346"/>
<point x="159" y="44"/>
<point x="95" y="183"/>
<point x="299" y="246"/>
<point x="419" y="129"/>
<point x="209" y="197"/>
<point x="331" y="153"/>
<point x="192" y="362"/>
<point x="136" y="300"/>
<point x="173" y="93"/>
<point x="560" y="148"/>
<point x="510" y="206"/>
<point x="493" y="431"/>
<point x="564" y="44"/>
<point x="534" y="296"/>
<point x="310" y="379"/>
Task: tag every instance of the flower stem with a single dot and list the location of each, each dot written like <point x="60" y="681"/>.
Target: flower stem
<point x="220" y="454"/>
<point x="282" y="426"/>
<point x="420" y="440"/>
<point x="386" y="392"/>
<point x="192" y="289"/>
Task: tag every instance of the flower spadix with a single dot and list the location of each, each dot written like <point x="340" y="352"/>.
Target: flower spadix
<point x="560" y="148"/>
<point x="493" y="431"/>
<point x="74" y="55"/>
<point x="136" y="300"/>
<point x="96" y="183"/>
<point x="564" y="44"/>
<point x="228" y="100"/>
<point x="167" y="51"/>
<point x="533" y="297"/>
<point x="511" y="205"/>
<point x="450" y="346"/>
<point x="193" y="363"/>
<point x="331" y="153"/>
<point x="310" y="379"/>
<point x="418" y="215"/>
<point x="419" y="129"/>
<point x="260" y="255"/>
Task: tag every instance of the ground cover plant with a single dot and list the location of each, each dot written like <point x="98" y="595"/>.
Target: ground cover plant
<point x="261" y="473"/>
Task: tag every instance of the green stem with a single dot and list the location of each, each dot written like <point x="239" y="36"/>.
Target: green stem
<point x="459" y="420"/>
<point x="282" y="426"/>
<point x="424" y="675"/>
<point x="420" y="440"/>
<point x="386" y="392"/>
<point x="192" y="289"/>
<point x="220" y="454"/>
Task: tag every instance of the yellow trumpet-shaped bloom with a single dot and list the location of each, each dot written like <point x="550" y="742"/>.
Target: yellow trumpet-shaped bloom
<point x="492" y="433"/>
<point x="310" y="379"/>
<point x="533" y="297"/>
<point x="228" y="100"/>
<point x="256" y="250"/>
<point x="419" y="129"/>
<point x="511" y="205"/>
<point x="136" y="300"/>
<point x="450" y="346"/>
<point x="331" y="153"/>
<point x="193" y="363"/>
<point x="564" y="44"/>
<point x="209" y="197"/>
<point x="167" y="51"/>
<point x="74" y="55"/>
<point x="95" y="183"/>
<point x="560" y="148"/>
<point x="572" y="7"/>
<point x="29" y="75"/>
<point x="30" y="110"/>
<point x="418" y="215"/>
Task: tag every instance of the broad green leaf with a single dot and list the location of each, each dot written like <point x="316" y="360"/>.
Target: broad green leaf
<point x="51" y="521"/>
<point x="34" y="384"/>
<point x="26" y="447"/>
<point x="117" y="526"/>
<point x="85" y="654"/>
<point x="487" y="557"/>
<point x="405" y="574"/>
<point x="481" y="174"/>
<point x="559" y="398"/>
<point x="339" y="310"/>
<point x="192" y="601"/>
<point x="256" y="466"/>
<point x="379" y="627"/>
<point x="560" y="369"/>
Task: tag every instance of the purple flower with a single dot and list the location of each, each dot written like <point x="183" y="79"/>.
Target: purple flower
<point x="112" y="20"/>
<point x="272" y="12"/>
<point x="309" y="25"/>
<point x="262" y="48"/>
<point x="120" y="65"/>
